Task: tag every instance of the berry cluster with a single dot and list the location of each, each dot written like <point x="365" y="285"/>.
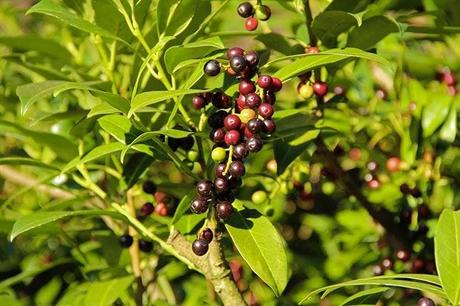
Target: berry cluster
<point x="146" y="210"/>
<point x="238" y="126"/>
<point x="448" y="78"/>
<point x="253" y="15"/>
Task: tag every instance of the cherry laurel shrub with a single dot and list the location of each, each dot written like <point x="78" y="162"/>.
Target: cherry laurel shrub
<point x="159" y="152"/>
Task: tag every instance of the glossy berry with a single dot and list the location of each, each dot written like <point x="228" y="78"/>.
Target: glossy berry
<point x="425" y="302"/>
<point x="217" y="136"/>
<point x="355" y="154"/>
<point x="226" y="196"/>
<point x="252" y="58"/>
<point x="255" y="125"/>
<point x="251" y="24"/>
<point x="305" y="90"/>
<point x="198" y="102"/>
<point x="216" y="120"/>
<point x="248" y="72"/>
<point x="232" y="137"/>
<point x="236" y="168"/>
<point x="125" y="241"/>
<point x="393" y="164"/>
<point x="161" y="209"/>
<point x="381" y="94"/>
<point x="207" y="235"/>
<point x="204" y="188"/>
<point x="245" y="9"/>
<point x="145" y="246"/>
<point x="200" y="247"/>
<point x="265" y="110"/>
<point x="221" y="100"/>
<point x="147" y="209"/>
<point x="212" y="68"/>
<point x="219" y="170"/>
<point x="218" y="154"/>
<point x="277" y="85"/>
<point x="378" y="270"/>
<point x="224" y="210"/>
<point x="403" y="255"/>
<point x="254" y="144"/>
<point x="232" y="122"/>
<point x="320" y="88"/>
<point x="252" y="100"/>
<point x="339" y="90"/>
<point x="312" y="50"/>
<point x="235" y="51"/>
<point x="247" y="133"/>
<point x="238" y="63"/>
<point x="199" y="205"/>
<point x="387" y="263"/>
<point x="149" y="187"/>
<point x="269" y="97"/>
<point x="269" y="126"/>
<point x="265" y="81"/>
<point x="373" y="183"/>
<point x="221" y="184"/>
<point x="246" y="87"/>
<point x="263" y="12"/>
<point x="240" y="151"/>
<point x="372" y="166"/>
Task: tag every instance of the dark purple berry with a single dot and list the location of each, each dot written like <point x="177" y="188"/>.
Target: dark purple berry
<point x="404" y="188"/>
<point x="269" y="97"/>
<point x="235" y="182"/>
<point x="204" y="188"/>
<point x="216" y="120"/>
<point x="378" y="270"/>
<point x="237" y="168"/>
<point x="125" y="241"/>
<point x="217" y="136"/>
<point x="249" y="72"/>
<point x="198" y="102"/>
<point x="232" y="137"/>
<point x="254" y="144"/>
<point x="264" y="81"/>
<point x="403" y="255"/>
<point x="423" y="212"/>
<point x="269" y="126"/>
<point x="235" y="51"/>
<point x="207" y="235"/>
<point x="221" y="100"/>
<point x="219" y="171"/>
<point x="149" y="187"/>
<point x="387" y="263"/>
<point x="277" y="85"/>
<point x="255" y="125"/>
<point x="200" y="247"/>
<point x="224" y="210"/>
<point x="226" y="196"/>
<point x="221" y="185"/>
<point x="246" y="87"/>
<point x="212" y="68"/>
<point x="232" y="122"/>
<point x="238" y="63"/>
<point x="252" y="58"/>
<point x="199" y="205"/>
<point x="415" y="192"/>
<point x="145" y="246"/>
<point x="252" y="100"/>
<point x="425" y="302"/>
<point x="265" y="110"/>
<point x="147" y="209"/>
<point x="245" y="9"/>
<point x="240" y="151"/>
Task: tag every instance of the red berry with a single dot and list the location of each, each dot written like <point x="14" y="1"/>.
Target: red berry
<point x="232" y="137"/>
<point x="277" y="85"/>
<point x="198" y="102"/>
<point x="355" y="154"/>
<point x="403" y="255"/>
<point x="312" y="50"/>
<point x="320" y="88"/>
<point x="252" y="100"/>
<point x="160" y="196"/>
<point x="269" y="97"/>
<point x="161" y="209"/>
<point x="393" y="164"/>
<point x="246" y="87"/>
<point x="234" y="52"/>
<point x="373" y="184"/>
<point x="232" y="122"/>
<point x="251" y="24"/>
<point x="265" y="110"/>
<point x="241" y="102"/>
<point x="425" y="302"/>
<point x="265" y="81"/>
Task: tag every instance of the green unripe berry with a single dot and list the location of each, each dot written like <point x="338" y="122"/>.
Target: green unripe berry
<point x="259" y="197"/>
<point x="192" y="155"/>
<point x="306" y="91"/>
<point x="263" y="12"/>
<point x="328" y="187"/>
<point x="218" y="154"/>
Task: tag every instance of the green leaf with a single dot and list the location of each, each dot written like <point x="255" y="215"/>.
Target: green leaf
<point x="449" y="128"/>
<point x="107" y="292"/>
<point x="40" y="218"/>
<point x="261" y="246"/>
<point x="285" y="153"/>
<point x="135" y="167"/>
<point x="174" y="16"/>
<point x="447" y="253"/>
<point x="278" y="42"/>
<point x="195" y="50"/>
<point x="30" y="93"/>
<point x="369" y="296"/>
<point x="36" y="43"/>
<point x="24" y="161"/>
<point x="371" y="32"/>
<point x="151" y="97"/>
<point x="119" y="127"/>
<point x="51" y="8"/>
<point x="329" y="24"/>
<point x="435" y="113"/>
<point x="181" y="209"/>
<point x="306" y="62"/>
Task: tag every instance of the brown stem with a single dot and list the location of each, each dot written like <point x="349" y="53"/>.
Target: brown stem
<point x="213" y="267"/>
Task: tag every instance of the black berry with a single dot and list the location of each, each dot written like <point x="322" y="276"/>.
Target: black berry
<point x="216" y="120"/>
<point x="221" y="100"/>
<point x="245" y="9"/>
<point x="145" y="246"/>
<point x="149" y="187"/>
<point x="200" y="247"/>
<point x="425" y="302"/>
<point x="217" y="136"/>
<point x="219" y="171"/>
<point x="221" y="184"/>
<point x="237" y="168"/>
<point x="240" y="151"/>
<point x="204" y="188"/>
<point x="224" y="210"/>
<point x="199" y="205"/>
<point x="238" y="63"/>
<point x="198" y="102"/>
<point x="212" y="68"/>
<point x="125" y="240"/>
<point x="269" y="126"/>
<point x="147" y="209"/>
<point x="235" y="51"/>
<point x="187" y="143"/>
<point x="207" y="235"/>
<point x="255" y="125"/>
<point x="252" y="58"/>
<point x="254" y="144"/>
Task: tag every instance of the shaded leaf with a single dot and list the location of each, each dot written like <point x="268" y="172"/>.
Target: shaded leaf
<point x="371" y="32"/>
<point x="107" y="292"/>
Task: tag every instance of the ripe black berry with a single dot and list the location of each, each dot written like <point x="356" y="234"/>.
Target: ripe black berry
<point x="221" y="184"/>
<point x="212" y="68"/>
<point x="232" y="137"/>
<point x="269" y="97"/>
<point x="255" y="125"/>
<point x="216" y="120"/>
<point x="423" y="212"/>
<point x="269" y="126"/>
<point x="199" y="205"/>
<point x="226" y="196"/>
<point x="378" y="270"/>
<point x="198" y="102"/>
<point x="265" y="110"/>
<point x="235" y="51"/>
<point x="187" y="143"/>
<point x="240" y="151"/>
<point x="238" y="63"/>
<point x="221" y="100"/>
<point x="237" y="168"/>
<point x="425" y="302"/>
<point x="252" y="100"/>
<point x="245" y="9"/>
<point x="264" y="81"/>
<point x="149" y="187"/>
<point x="252" y="58"/>
<point x="217" y="136"/>
<point x="125" y="240"/>
<point x="232" y="122"/>
<point x="204" y="188"/>
<point x="220" y="168"/>
<point x="249" y="72"/>
<point x="145" y="246"/>
<point x="254" y="144"/>
<point x="224" y="210"/>
<point x="404" y="188"/>
<point x="207" y="235"/>
<point x="415" y="192"/>
<point x="200" y="247"/>
<point x="147" y="209"/>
